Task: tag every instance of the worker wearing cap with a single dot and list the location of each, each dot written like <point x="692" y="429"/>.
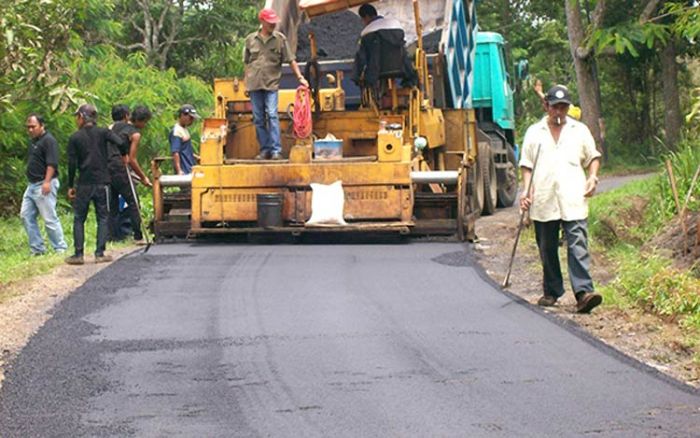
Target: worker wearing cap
<point x="180" y="140"/>
<point x="564" y="151"/>
<point x="87" y="154"/>
<point x="574" y="111"/>
<point x="265" y="52"/>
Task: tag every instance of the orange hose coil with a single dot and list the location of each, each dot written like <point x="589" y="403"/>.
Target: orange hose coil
<point x="302" y="113"/>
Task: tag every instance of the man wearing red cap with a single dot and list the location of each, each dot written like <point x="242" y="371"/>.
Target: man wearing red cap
<point x="265" y="52"/>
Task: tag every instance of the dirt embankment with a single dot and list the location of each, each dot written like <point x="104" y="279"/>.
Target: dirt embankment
<point x="648" y="338"/>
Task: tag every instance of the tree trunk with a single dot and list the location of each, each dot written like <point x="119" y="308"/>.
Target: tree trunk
<point x="587" y="85"/>
<point x="669" y="80"/>
<point x="505" y="18"/>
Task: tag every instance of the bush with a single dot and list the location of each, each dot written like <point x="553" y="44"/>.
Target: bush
<point x="647" y="278"/>
<point x="103" y="79"/>
<point x="684" y="162"/>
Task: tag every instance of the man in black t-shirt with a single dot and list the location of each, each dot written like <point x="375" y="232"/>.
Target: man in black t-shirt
<point x="41" y="194"/>
<point x="120" y="185"/>
<point x="87" y="152"/>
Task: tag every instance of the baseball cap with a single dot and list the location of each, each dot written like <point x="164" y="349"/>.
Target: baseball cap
<point x="558" y="94"/>
<point x="87" y="111"/>
<point x="189" y="110"/>
<point x="268" y="16"/>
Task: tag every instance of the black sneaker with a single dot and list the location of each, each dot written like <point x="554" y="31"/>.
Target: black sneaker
<point x="75" y="260"/>
<point x="547" y="301"/>
<point x="587" y="302"/>
<point x="277" y="156"/>
<point x="263" y="156"/>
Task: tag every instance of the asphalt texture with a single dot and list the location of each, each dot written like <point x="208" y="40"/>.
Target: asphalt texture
<point x="401" y="340"/>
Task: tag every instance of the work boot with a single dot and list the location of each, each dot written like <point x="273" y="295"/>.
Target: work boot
<point x="103" y="258"/>
<point x="547" y="301"/>
<point x="277" y="156"/>
<point x="75" y="260"/>
<point x="265" y="155"/>
<point x="587" y="301"/>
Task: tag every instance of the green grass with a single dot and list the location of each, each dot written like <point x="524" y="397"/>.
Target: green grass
<point x="16" y="261"/>
<point x="617" y="207"/>
<point x="620" y="169"/>
<point x="622" y="220"/>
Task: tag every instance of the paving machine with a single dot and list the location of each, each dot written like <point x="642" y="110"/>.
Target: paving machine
<point x="406" y="165"/>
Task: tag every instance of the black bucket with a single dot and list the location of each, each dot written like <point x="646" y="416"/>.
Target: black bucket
<point x="270" y="210"/>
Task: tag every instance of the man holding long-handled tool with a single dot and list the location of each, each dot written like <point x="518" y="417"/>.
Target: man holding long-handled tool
<point x="558" y="197"/>
<point x="118" y="166"/>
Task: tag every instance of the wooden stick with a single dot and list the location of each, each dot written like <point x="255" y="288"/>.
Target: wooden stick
<point x="685" y="208"/>
<point x="521" y="222"/>
<point x="690" y="190"/>
<point x="697" y="238"/>
<point x="672" y="178"/>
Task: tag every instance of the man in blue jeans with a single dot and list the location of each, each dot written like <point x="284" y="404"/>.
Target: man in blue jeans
<point x="42" y="190"/>
<point x="265" y="52"/>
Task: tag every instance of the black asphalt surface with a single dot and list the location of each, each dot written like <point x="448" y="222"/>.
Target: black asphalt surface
<point x="402" y="340"/>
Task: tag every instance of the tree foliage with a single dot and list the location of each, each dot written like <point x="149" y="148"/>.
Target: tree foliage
<point x="159" y="53"/>
<point x="200" y="37"/>
<point x="628" y="52"/>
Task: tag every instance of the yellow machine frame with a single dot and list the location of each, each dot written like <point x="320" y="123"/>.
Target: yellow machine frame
<point x="375" y="170"/>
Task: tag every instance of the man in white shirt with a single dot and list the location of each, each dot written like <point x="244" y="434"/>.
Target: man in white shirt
<point x="564" y="150"/>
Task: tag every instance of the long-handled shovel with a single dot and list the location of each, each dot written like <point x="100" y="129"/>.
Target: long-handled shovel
<point x="138" y="209"/>
<point x="506" y="281"/>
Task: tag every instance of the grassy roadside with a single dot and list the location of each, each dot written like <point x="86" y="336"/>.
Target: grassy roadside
<point x="16" y="262"/>
<point x="624" y="223"/>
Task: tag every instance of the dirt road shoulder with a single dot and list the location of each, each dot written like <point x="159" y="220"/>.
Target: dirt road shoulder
<point x="645" y="337"/>
<point x="31" y="301"/>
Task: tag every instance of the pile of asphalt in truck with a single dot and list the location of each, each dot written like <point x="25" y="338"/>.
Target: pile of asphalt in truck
<point x="337" y="36"/>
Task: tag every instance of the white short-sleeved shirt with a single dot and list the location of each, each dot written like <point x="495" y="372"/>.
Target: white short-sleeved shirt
<point x="559" y="180"/>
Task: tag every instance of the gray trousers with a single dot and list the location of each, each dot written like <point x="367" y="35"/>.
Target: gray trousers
<point x="578" y="257"/>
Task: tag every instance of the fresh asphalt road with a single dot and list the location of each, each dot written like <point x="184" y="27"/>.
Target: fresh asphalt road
<point x="399" y="340"/>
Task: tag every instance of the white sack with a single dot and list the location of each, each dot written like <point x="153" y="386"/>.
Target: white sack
<point x="327" y="203"/>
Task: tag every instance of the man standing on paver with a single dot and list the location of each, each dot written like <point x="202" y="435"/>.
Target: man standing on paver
<point x="563" y="148"/>
<point x="265" y="52"/>
<point x="87" y="152"/>
<point x="42" y="191"/>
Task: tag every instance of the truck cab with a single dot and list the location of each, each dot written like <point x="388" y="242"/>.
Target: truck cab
<point x="492" y="100"/>
<point x="493" y="95"/>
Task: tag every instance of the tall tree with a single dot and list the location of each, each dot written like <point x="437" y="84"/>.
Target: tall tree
<point x="192" y="36"/>
<point x="158" y="24"/>
<point x="655" y="28"/>
<point x="583" y="57"/>
<point x="673" y="120"/>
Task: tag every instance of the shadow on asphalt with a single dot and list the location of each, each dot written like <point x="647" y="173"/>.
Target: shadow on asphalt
<point x="327" y="238"/>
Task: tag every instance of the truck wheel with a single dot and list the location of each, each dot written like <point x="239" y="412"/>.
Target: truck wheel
<point x="509" y="190"/>
<point x="488" y="173"/>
